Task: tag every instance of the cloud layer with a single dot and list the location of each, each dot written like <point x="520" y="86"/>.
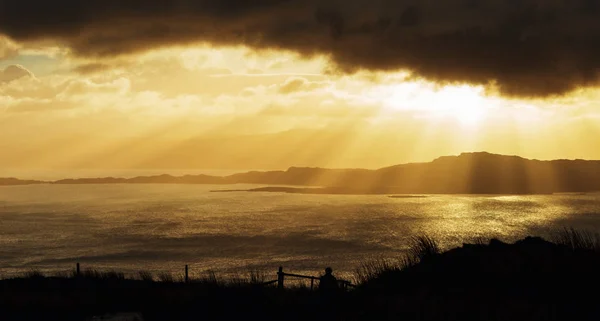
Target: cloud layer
<point x="158" y="109"/>
<point x="13" y="72"/>
<point x="8" y="49"/>
<point x="526" y="47"/>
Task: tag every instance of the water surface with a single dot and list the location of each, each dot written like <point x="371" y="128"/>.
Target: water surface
<point x="163" y="227"/>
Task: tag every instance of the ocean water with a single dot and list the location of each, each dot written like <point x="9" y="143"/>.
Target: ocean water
<point x="160" y="228"/>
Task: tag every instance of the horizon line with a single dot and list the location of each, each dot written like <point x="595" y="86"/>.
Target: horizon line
<point x="244" y="171"/>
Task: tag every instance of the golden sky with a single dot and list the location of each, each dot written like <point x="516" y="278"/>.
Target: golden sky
<point x="213" y="105"/>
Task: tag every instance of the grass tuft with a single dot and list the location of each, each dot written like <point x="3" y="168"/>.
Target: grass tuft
<point x="34" y="274"/>
<point x="422" y="248"/>
<point x="166" y="277"/>
<point x="257" y="276"/>
<point x="211" y="278"/>
<point x="374" y="268"/>
<point x="101" y="275"/>
<point x="146" y="276"/>
<point x="577" y="239"/>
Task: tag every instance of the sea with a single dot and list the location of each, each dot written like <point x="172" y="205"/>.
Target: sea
<point x="162" y="228"/>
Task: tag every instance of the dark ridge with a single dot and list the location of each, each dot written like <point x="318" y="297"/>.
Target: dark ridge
<point x="468" y="173"/>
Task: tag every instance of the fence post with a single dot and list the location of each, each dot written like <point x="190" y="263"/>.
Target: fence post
<point x="187" y="279"/>
<point x="77" y="270"/>
<point x="280" y="277"/>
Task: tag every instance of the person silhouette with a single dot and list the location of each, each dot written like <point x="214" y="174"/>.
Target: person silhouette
<point x="328" y="282"/>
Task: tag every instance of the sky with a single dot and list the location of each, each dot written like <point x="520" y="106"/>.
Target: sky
<point x="269" y="84"/>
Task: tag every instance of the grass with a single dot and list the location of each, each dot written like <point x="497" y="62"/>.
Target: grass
<point x="257" y="276"/>
<point x="577" y="239"/>
<point x="101" y="275"/>
<point x="422" y="248"/>
<point x="374" y="268"/>
<point x="167" y="277"/>
<point x="146" y="276"/>
<point x="33" y="274"/>
<point x="210" y="277"/>
<point x="472" y="282"/>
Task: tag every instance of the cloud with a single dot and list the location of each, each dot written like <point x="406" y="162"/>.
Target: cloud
<point x="298" y="84"/>
<point x="28" y="105"/>
<point x="526" y="48"/>
<point x="14" y="72"/>
<point x="25" y="93"/>
<point x="92" y="68"/>
<point x="331" y="110"/>
<point x="8" y="49"/>
<point x="85" y="87"/>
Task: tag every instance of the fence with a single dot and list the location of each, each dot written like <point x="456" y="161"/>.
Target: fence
<point x="343" y="284"/>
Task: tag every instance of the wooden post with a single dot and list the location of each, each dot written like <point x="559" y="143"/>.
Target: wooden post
<point x="312" y="283"/>
<point x="187" y="279"/>
<point x="280" y="277"/>
<point x="77" y="270"/>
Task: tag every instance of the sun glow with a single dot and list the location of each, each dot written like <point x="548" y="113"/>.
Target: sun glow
<point x="465" y="104"/>
<point x="198" y="106"/>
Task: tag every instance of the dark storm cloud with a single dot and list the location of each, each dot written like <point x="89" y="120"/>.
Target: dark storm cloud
<point x="7" y="49"/>
<point x="527" y="47"/>
<point x="92" y="68"/>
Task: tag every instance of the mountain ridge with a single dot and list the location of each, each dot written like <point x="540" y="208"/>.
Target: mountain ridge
<point x="467" y="173"/>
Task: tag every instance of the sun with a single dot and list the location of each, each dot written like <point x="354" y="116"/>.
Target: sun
<point x="465" y="104"/>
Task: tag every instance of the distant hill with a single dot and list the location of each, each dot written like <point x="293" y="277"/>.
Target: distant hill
<point x="14" y="181"/>
<point x="468" y="173"/>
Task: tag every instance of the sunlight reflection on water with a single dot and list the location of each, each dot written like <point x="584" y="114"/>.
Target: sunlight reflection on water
<point x="163" y="227"/>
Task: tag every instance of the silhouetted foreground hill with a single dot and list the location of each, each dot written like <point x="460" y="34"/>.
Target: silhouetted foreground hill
<point x="530" y="280"/>
<point x="469" y="173"/>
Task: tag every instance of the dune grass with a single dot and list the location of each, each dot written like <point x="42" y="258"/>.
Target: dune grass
<point x="421" y="248"/>
<point x="422" y="283"/>
<point x="33" y="274"/>
<point x="146" y="276"/>
<point x="373" y="268"/>
<point x="577" y="239"/>
<point x="210" y="277"/>
<point x="101" y="275"/>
